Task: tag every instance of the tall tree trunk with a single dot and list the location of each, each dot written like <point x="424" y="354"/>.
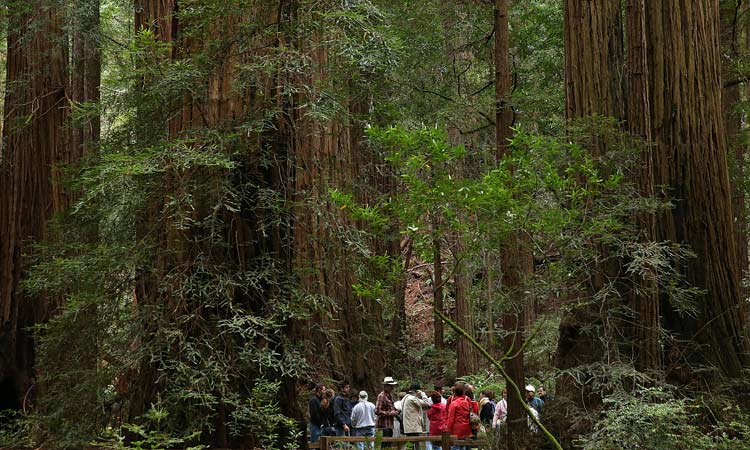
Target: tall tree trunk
<point x="594" y="59"/>
<point x="438" y="282"/>
<point x="328" y="156"/>
<point x="516" y="258"/>
<point x="691" y="158"/>
<point x="466" y="358"/>
<point x="643" y="295"/>
<point x="86" y="64"/>
<point x="31" y="190"/>
<point x="731" y="45"/>
<point x="487" y="267"/>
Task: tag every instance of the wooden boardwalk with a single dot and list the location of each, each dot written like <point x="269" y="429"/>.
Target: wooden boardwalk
<point x="445" y="441"/>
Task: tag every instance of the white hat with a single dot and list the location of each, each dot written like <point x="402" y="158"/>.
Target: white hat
<point x="362" y="394"/>
<point x="389" y="380"/>
<point x="530" y="388"/>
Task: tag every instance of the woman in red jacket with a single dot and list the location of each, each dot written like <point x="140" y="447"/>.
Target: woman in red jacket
<point x="459" y="408"/>
<point x="437" y="416"/>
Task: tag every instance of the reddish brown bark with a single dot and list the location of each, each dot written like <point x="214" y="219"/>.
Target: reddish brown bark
<point x="691" y="158"/>
<point x="516" y="258"/>
<point x="438" y="282"/>
<point x="594" y="58"/>
<point x="642" y="295"/>
<point x="86" y="69"/>
<point x="466" y="358"/>
<point x="731" y="45"/>
<point x="31" y="190"/>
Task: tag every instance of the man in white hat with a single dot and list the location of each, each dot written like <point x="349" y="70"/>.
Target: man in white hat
<point x="363" y="419"/>
<point x="533" y="401"/>
<point x="385" y="409"/>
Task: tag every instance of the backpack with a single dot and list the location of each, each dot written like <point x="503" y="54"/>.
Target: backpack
<point x="475" y="422"/>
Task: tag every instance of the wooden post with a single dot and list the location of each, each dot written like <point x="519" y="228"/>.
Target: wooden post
<point x="324" y="443"/>
<point x="445" y="442"/>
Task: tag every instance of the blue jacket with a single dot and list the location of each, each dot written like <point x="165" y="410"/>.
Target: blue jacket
<point x="342" y="411"/>
<point x="536" y="403"/>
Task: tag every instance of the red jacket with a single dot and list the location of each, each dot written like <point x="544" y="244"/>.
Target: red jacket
<point x="457" y="423"/>
<point x="436" y="414"/>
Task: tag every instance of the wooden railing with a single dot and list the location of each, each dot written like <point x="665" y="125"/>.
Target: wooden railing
<point x="445" y="441"/>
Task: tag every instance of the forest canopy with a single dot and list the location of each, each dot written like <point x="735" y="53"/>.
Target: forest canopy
<point x="210" y="209"/>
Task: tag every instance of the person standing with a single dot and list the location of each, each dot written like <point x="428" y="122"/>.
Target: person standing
<point x="363" y="419"/>
<point x="342" y="411"/>
<point x="533" y="401"/>
<point x="439" y="390"/>
<point x="436" y="415"/>
<point x="326" y="407"/>
<point x="385" y="409"/>
<point x="542" y="394"/>
<point x="412" y="411"/>
<point x="316" y="413"/>
<point x="459" y="408"/>
<point x="501" y="411"/>
<point x="486" y="407"/>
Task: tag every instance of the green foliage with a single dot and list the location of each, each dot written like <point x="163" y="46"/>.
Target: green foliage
<point x="172" y="267"/>
<point x="16" y="429"/>
<point x="658" y="419"/>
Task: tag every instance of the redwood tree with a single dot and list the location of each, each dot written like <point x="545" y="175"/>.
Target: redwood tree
<point x="31" y="185"/>
<point x="690" y="157"/>
<point x="516" y="259"/>
<point x="593" y="80"/>
<point x="642" y="294"/>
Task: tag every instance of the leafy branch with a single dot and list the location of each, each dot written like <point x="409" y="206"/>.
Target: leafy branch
<point x="499" y="365"/>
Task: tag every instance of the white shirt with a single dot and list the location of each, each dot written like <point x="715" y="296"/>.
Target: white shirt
<point x="363" y="414"/>
<point x="501" y="413"/>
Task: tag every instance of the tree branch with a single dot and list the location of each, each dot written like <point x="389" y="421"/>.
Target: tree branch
<point x="498" y="365"/>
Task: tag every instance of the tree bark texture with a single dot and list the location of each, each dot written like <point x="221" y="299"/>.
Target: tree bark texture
<point x="503" y="80"/>
<point x="731" y="47"/>
<point x="438" y="283"/>
<point x="466" y="358"/>
<point x="86" y="61"/>
<point x="594" y="58"/>
<point x="328" y="156"/>
<point x="253" y="236"/>
<point x="31" y="190"/>
<point x="642" y="293"/>
<point x="516" y="258"/>
<point x="690" y="158"/>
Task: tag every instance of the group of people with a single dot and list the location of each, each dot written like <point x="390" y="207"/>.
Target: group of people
<point x="414" y="412"/>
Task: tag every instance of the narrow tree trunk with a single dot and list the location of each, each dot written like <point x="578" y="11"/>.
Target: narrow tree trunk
<point x="691" y="158"/>
<point x="490" y="297"/>
<point x="731" y="32"/>
<point x="437" y="291"/>
<point x="466" y="358"/>
<point x="86" y="70"/>
<point x="398" y="326"/>
<point x="503" y="80"/>
<point x="516" y="259"/>
<point x="30" y="187"/>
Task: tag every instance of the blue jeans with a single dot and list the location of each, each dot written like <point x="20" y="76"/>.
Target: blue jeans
<point x="314" y="432"/>
<point x="365" y="431"/>
<point x="433" y="446"/>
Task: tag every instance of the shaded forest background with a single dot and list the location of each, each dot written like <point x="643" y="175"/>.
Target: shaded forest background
<point x="207" y="205"/>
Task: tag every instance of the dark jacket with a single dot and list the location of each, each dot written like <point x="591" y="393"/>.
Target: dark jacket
<point x="316" y="415"/>
<point x="486" y="413"/>
<point x="342" y="411"/>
